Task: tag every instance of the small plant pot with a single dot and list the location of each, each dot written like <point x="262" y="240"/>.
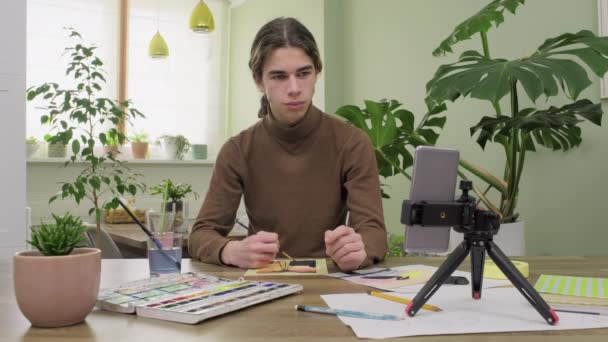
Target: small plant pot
<point x="32" y="149"/>
<point x="169" y="150"/>
<point x="199" y="151"/>
<point x="57" y="150"/>
<point x="139" y="150"/>
<point x="57" y="291"/>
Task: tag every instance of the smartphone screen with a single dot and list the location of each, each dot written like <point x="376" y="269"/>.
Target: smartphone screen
<point x="433" y="179"/>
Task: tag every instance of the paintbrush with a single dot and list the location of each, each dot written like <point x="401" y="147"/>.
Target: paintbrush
<point x="156" y="241"/>
<point x="244" y="226"/>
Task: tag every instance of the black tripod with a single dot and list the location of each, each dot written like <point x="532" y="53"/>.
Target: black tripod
<point x="478" y="227"/>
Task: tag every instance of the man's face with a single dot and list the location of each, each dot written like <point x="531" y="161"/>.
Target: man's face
<point x="288" y="80"/>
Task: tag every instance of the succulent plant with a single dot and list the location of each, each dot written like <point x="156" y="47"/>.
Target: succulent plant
<point x="59" y="238"/>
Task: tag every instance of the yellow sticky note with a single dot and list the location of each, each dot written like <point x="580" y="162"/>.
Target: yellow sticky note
<point x="490" y="270"/>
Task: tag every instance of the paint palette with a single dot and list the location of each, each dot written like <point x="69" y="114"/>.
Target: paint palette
<point x="189" y="297"/>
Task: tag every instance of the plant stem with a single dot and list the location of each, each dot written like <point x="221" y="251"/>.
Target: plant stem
<point x="486" y="53"/>
<point x="514" y="146"/>
<point x="485" y="175"/>
<point x="163" y="209"/>
<point x="484" y="44"/>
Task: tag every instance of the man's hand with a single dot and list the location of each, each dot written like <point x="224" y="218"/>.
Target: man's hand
<point x="345" y="247"/>
<point x="254" y="251"/>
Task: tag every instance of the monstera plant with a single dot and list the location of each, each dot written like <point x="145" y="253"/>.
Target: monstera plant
<point x="391" y="131"/>
<point x="556" y="67"/>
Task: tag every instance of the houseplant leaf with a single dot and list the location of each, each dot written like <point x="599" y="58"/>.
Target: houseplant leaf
<point x="554" y="128"/>
<point x="543" y="73"/>
<point x="391" y="129"/>
<point x="478" y="23"/>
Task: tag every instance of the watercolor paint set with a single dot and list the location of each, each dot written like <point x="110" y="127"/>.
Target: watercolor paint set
<point x="189" y="297"/>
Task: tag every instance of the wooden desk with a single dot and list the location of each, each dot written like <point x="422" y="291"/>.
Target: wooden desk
<point x="273" y="321"/>
<point x="132" y="241"/>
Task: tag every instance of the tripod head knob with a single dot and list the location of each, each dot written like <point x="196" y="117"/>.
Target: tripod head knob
<point x="466" y="185"/>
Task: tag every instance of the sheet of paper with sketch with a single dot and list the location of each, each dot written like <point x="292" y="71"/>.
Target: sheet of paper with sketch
<point x="284" y="267"/>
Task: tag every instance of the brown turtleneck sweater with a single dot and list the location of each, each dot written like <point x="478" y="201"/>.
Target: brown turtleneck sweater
<point x="297" y="182"/>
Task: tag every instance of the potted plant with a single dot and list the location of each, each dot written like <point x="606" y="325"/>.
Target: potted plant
<point x="173" y="195"/>
<point x="78" y="115"/>
<point x="56" y="148"/>
<point x="174" y="146"/>
<point x="557" y="64"/>
<point x="32" y="146"/>
<point x="112" y="145"/>
<point x="139" y="145"/>
<point x="199" y="151"/>
<point x="57" y="284"/>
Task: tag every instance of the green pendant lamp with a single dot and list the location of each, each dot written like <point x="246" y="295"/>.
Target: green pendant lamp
<point x="201" y="19"/>
<point x="158" y="47"/>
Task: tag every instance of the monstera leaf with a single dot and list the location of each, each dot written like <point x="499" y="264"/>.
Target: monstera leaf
<point x="554" y="128"/>
<point x="540" y="74"/>
<point x="391" y="129"/>
<point x="478" y="23"/>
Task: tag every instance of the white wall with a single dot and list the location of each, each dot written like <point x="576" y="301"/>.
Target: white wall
<point x="12" y="120"/>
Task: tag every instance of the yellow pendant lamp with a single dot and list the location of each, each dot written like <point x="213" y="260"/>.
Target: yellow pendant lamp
<point x="201" y="19"/>
<point x="158" y="47"/>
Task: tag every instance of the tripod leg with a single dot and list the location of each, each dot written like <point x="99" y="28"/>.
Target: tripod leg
<point x="443" y="272"/>
<point x="478" y="253"/>
<point x="518" y="280"/>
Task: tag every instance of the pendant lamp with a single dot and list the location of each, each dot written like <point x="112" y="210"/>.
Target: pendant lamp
<point x="158" y="47"/>
<point x="201" y="19"/>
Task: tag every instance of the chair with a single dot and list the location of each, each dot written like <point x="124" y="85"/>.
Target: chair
<point x="103" y="241"/>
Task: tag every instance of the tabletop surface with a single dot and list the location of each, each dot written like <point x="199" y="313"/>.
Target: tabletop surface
<point x="271" y="321"/>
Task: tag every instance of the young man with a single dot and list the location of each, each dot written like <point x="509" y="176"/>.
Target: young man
<point x="299" y="170"/>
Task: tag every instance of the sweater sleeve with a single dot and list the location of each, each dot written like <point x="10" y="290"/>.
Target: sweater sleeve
<point x="216" y="216"/>
<point x="364" y="199"/>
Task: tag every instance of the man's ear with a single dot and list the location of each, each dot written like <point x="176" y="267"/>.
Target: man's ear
<point x="260" y="86"/>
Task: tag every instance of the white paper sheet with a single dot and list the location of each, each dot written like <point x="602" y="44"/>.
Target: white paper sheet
<point x="487" y="283"/>
<point x="499" y="310"/>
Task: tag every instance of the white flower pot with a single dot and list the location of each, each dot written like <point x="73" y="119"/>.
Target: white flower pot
<point x="169" y="150"/>
<point x="511" y="239"/>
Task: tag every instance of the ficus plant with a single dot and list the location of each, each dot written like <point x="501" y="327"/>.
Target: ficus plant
<point x="77" y="116"/>
<point x="556" y="67"/>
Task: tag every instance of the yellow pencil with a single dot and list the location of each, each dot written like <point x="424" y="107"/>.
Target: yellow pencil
<point x="401" y="300"/>
<point x="287" y="256"/>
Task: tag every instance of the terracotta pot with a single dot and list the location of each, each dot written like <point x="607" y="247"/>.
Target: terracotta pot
<point x="139" y="150"/>
<point x="57" y="291"/>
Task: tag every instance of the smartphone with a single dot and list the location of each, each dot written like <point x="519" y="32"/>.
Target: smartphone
<point x="433" y="179"/>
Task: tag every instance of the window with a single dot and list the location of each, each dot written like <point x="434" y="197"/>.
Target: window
<point x="183" y="94"/>
<point x="96" y="20"/>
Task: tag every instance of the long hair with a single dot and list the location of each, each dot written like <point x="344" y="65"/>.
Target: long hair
<point x="279" y="33"/>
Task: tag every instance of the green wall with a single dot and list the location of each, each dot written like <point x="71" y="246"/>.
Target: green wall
<point x="377" y="49"/>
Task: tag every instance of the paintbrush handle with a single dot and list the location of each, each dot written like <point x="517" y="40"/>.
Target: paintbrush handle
<point x="139" y="223"/>
<point x="156" y="241"/>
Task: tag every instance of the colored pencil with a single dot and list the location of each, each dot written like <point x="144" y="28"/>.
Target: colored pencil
<point x="386" y="296"/>
<point x="349" y="313"/>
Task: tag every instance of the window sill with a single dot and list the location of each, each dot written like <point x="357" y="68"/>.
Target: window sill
<point x="130" y="161"/>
